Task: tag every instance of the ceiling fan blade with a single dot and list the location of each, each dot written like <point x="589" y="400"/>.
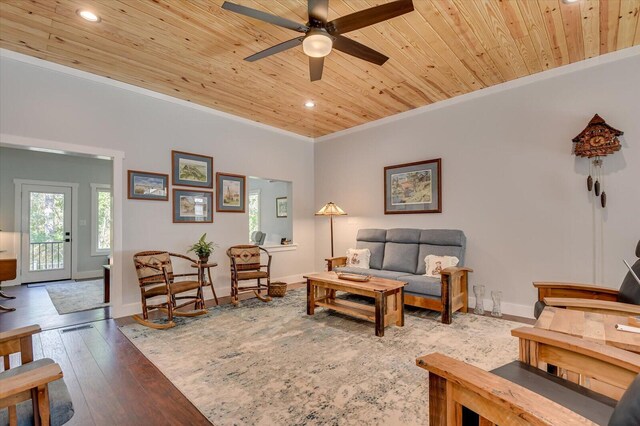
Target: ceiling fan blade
<point x="370" y="16"/>
<point x="315" y="68"/>
<point x="266" y="17"/>
<point x="358" y="50"/>
<point x="319" y="10"/>
<point x="275" y="49"/>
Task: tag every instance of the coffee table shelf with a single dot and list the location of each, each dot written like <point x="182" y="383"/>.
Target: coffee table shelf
<point x="388" y="296"/>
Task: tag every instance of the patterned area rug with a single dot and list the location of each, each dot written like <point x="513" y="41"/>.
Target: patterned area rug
<point x="77" y="296"/>
<point x="270" y="363"/>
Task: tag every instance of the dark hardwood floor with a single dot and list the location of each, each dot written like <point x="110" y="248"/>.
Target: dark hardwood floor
<point x="33" y="306"/>
<point x="111" y="382"/>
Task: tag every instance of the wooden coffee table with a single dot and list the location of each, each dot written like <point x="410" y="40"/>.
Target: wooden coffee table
<point x="388" y="295"/>
<point x="590" y="326"/>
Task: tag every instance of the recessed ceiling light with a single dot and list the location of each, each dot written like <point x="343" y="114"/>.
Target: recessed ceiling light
<point x="87" y="15"/>
<point x="309" y="104"/>
<point x="569" y="1"/>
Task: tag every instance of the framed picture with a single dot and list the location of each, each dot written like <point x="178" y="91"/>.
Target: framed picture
<point x="413" y="187"/>
<point x="192" y="206"/>
<point x="148" y="186"/>
<point x="230" y="195"/>
<point x="191" y="169"/>
<point x="281" y="207"/>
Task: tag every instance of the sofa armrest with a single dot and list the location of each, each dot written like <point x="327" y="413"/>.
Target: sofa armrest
<point x="454" y="291"/>
<point x="334" y="262"/>
<point x="583" y="291"/>
<point x="453" y="383"/>
<point x="592" y="305"/>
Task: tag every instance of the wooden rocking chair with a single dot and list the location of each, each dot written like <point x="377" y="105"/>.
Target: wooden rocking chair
<point x="156" y="279"/>
<point x="246" y="265"/>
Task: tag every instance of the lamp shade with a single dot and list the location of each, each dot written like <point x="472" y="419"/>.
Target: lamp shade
<point x="330" y="209"/>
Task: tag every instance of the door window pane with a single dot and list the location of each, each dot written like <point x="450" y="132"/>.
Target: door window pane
<point x="104" y="220"/>
<point x="254" y="212"/>
<point x="46" y="231"/>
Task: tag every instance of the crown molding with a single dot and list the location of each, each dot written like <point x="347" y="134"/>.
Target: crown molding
<point x="519" y="82"/>
<point x="31" y="60"/>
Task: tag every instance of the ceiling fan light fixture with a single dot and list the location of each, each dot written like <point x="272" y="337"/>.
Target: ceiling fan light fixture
<point x="310" y="104"/>
<point x="317" y="45"/>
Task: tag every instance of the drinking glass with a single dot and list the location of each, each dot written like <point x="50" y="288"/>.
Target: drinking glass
<point x="478" y="291"/>
<point x="496" y="296"/>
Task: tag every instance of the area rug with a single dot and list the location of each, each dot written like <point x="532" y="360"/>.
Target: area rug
<point x="271" y="364"/>
<point x="77" y="296"/>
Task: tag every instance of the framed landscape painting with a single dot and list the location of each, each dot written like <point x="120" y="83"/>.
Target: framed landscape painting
<point x="191" y="169"/>
<point x="192" y="206"/>
<point x="281" y="207"/>
<point x="148" y="186"/>
<point x="230" y="195"/>
<point x="413" y="187"/>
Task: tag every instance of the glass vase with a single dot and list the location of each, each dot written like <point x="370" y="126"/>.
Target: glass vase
<point x="496" y="296"/>
<point x="478" y="292"/>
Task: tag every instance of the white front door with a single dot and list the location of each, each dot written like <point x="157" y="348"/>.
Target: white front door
<point x="46" y="233"/>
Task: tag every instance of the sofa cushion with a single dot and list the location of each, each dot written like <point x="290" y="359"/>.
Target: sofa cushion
<point x="377" y="252"/>
<point x="61" y="408"/>
<point x="427" y="249"/>
<point x="424" y="286"/>
<point x="391" y="275"/>
<point x="372" y="235"/>
<point x="627" y="411"/>
<point x="443" y="237"/>
<point x="400" y="257"/>
<point x="403" y="235"/>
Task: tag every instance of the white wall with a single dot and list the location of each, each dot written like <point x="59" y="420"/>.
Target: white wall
<point x="45" y="104"/>
<point x="509" y="179"/>
<point x="23" y="164"/>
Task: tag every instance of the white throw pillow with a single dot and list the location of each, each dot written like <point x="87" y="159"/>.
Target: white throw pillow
<point x="358" y="258"/>
<point x="435" y="264"/>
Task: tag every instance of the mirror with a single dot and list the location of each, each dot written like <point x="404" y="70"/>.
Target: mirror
<point x="270" y="210"/>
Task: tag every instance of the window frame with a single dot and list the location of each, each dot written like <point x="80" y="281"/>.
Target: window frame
<point x="254" y="192"/>
<point x="95" y="189"/>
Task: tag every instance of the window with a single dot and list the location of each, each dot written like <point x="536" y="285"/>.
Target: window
<point x="254" y="211"/>
<point x="100" y="219"/>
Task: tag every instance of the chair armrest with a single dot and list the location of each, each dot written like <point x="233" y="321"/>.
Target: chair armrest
<point x="584" y="291"/>
<point x="496" y="399"/>
<point x="592" y="305"/>
<point x="609" y="354"/>
<point x="29" y="380"/>
<point x="182" y="256"/>
<point x="19" y="333"/>
<point x="334" y="262"/>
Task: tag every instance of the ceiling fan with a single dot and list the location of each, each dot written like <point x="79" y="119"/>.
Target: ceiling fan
<point x="321" y="36"/>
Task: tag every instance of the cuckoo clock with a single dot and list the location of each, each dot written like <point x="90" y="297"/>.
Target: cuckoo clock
<point x="597" y="140"/>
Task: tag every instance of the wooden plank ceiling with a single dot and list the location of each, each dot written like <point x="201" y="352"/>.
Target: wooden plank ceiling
<point x="194" y="50"/>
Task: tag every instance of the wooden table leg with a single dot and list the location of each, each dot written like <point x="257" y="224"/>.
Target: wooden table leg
<point x="311" y="302"/>
<point x="380" y="304"/>
<point x="400" y="308"/>
<point x="211" y="283"/>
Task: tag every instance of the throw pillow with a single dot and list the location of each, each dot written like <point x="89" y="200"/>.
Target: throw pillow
<point x="358" y="258"/>
<point x="435" y="264"/>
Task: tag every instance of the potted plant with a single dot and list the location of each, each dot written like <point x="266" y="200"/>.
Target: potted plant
<point x="202" y="248"/>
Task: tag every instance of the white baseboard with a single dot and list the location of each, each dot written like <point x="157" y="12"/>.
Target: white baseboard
<point x="82" y="275"/>
<point x="525" y="311"/>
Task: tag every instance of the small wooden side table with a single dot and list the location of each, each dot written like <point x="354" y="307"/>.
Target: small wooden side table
<point x="201" y="268"/>
<point x="7" y="272"/>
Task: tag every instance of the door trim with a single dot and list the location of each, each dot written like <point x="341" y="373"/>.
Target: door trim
<point x="74" y="218"/>
<point x="118" y="187"/>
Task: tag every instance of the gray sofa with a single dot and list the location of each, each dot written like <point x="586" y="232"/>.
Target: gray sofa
<point x="399" y="254"/>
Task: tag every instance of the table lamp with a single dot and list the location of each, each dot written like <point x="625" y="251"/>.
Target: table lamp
<point x="331" y="210"/>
